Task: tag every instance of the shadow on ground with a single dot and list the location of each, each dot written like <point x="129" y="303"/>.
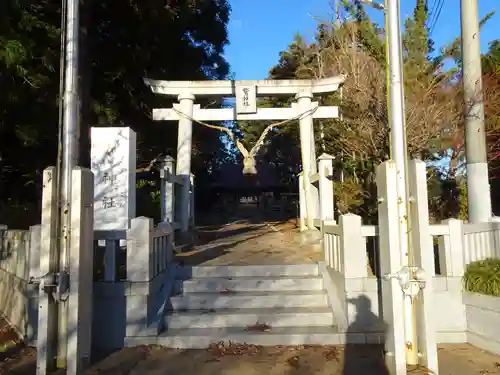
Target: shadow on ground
<point x="206" y="235"/>
<point x="204" y="254"/>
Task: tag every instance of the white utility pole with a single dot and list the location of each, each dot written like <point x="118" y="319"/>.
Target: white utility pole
<point x="69" y="162"/>
<point x="478" y="186"/>
<point x="397" y="124"/>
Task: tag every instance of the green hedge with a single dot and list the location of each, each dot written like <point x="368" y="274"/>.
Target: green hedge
<point x="483" y="277"/>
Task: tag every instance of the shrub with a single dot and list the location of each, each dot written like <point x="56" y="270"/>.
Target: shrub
<point x="483" y="277"/>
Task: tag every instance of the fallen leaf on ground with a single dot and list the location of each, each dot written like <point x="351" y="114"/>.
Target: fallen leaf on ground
<point x="233" y="349"/>
<point x="331" y="354"/>
<point x="259" y="327"/>
<point x="294" y="361"/>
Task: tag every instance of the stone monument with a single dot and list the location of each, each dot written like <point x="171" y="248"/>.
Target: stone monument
<point x="113" y="162"/>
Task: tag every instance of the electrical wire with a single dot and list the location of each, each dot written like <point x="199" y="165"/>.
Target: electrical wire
<point x="437" y="13"/>
<point x="431" y="10"/>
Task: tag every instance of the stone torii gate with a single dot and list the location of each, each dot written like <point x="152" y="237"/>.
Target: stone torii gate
<point x="246" y="93"/>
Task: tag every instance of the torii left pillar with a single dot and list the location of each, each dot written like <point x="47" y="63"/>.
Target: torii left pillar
<point x="308" y="152"/>
<point x="184" y="146"/>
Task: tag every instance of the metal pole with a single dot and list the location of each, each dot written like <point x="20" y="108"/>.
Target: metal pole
<point x="69" y="161"/>
<point x="399" y="155"/>
<point x="478" y="188"/>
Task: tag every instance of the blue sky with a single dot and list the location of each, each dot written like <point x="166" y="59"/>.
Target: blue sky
<point x="260" y="29"/>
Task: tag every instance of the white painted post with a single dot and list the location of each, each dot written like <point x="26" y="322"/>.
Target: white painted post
<point x="47" y="308"/>
<point x="326" y="199"/>
<point x="302" y="203"/>
<point x="451" y="249"/>
<point x="304" y="101"/>
<point x="423" y="252"/>
<point x="167" y="171"/>
<point x="81" y="270"/>
<point x="390" y="262"/>
<point x="352" y="247"/>
<point x="184" y="145"/>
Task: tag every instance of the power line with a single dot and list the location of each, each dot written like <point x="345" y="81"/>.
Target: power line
<point x="435" y="19"/>
<point x="433" y="10"/>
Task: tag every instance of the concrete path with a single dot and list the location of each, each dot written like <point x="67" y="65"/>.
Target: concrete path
<point x="244" y="243"/>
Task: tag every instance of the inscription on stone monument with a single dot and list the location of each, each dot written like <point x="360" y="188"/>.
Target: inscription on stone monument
<point x="113" y="162"/>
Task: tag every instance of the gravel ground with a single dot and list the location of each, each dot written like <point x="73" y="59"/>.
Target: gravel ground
<point x="252" y="360"/>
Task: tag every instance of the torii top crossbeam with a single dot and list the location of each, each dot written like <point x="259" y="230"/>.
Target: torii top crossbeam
<point x="229" y="88"/>
<point x="246" y="93"/>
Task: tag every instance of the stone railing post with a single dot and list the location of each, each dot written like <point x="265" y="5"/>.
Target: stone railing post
<point x="423" y="253"/>
<point x="326" y="197"/>
<point x="302" y="203"/>
<point x="140" y="268"/>
<point x="451" y="249"/>
<point x="352" y="247"/>
<point x="139" y="257"/>
<point x="167" y="171"/>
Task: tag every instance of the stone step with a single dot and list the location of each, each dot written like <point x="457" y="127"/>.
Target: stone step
<point x="274" y="317"/>
<point x="282" y="270"/>
<point x="248" y="284"/>
<point x="201" y="338"/>
<point x="246" y="300"/>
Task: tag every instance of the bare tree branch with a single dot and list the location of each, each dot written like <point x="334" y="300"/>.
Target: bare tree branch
<point x="149" y="166"/>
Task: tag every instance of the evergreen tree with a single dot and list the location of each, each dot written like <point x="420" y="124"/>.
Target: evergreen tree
<point x="121" y="44"/>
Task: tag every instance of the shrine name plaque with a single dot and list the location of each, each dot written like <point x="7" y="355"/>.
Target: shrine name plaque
<point x="246" y="99"/>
